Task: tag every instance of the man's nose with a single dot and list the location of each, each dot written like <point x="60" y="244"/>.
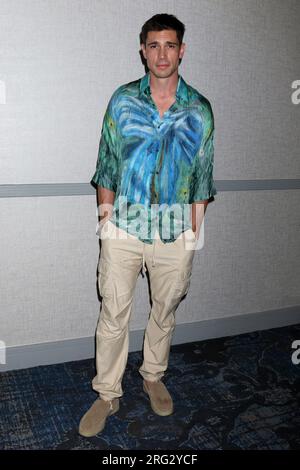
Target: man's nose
<point x="162" y="52"/>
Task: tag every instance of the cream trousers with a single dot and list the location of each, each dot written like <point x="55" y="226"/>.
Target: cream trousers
<point x="122" y="257"/>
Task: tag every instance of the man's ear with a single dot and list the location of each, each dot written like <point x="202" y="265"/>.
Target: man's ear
<point x="182" y="50"/>
<point x="143" y="49"/>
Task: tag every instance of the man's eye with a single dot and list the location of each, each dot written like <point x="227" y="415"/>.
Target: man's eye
<point x="170" y="46"/>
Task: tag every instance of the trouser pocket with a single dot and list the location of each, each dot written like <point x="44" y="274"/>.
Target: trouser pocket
<point x="104" y="279"/>
<point x="182" y="284"/>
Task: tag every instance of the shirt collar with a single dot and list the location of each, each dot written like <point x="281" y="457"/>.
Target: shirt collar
<point x="181" y="91"/>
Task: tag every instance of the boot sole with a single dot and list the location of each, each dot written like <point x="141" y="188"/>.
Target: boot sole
<point x="157" y="410"/>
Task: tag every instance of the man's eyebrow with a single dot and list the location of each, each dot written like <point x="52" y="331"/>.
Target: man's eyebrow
<point x="167" y="42"/>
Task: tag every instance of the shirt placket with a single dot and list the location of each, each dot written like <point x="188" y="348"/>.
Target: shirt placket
<point x="158" y="123"/>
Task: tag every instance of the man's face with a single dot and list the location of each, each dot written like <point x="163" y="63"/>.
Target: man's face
<point x="162" y="52"/>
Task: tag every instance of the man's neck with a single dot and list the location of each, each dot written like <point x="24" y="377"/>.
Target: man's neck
<point x="164" y="88"/>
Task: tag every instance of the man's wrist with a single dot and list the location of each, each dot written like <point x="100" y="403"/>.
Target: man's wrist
<point x="104" y="218"/>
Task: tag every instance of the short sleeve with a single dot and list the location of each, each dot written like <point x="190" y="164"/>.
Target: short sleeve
<point x="106" y="174"/>
<point x="202" y="182"/>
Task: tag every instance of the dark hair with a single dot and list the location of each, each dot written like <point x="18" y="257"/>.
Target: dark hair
<point x="159" y="23"/>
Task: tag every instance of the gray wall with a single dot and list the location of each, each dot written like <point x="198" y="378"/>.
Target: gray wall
<point x="60" y="62"/>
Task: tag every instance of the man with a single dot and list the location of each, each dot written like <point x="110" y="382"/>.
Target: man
<point x="155" y="160"/>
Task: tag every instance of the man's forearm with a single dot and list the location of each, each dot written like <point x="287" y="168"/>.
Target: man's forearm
<point x="198" y="211"/>
<point x="105" y="201"/>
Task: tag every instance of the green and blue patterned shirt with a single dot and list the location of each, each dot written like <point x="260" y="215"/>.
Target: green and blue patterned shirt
<point x="156" y="166"/>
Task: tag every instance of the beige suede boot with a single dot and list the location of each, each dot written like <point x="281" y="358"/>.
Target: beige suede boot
<point x="160" y="399"/>
<point x="94" y="419"/>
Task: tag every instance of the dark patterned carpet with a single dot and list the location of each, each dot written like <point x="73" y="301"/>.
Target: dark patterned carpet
<point x="240" y="392"/>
